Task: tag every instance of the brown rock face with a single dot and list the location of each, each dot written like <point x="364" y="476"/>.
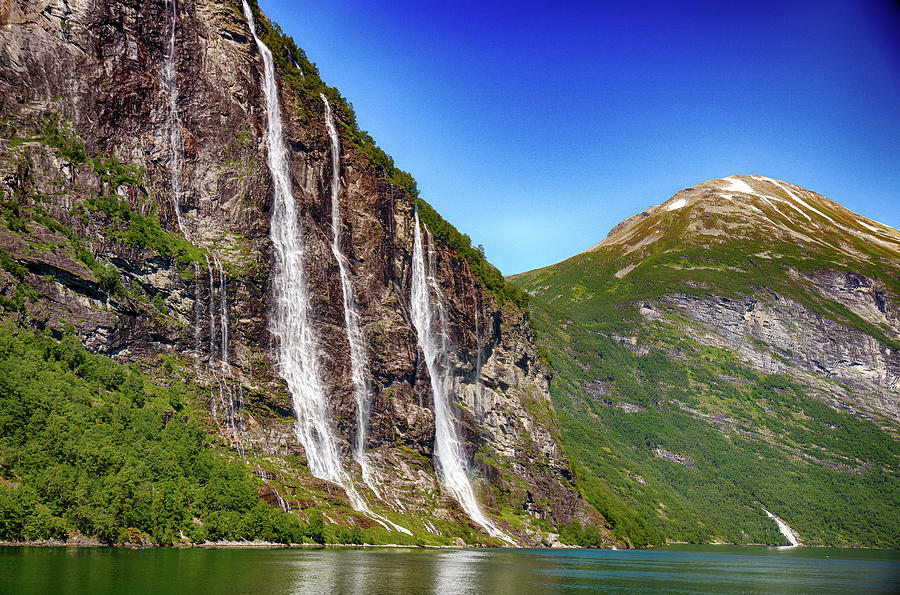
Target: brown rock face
<point x="95" y="73"/>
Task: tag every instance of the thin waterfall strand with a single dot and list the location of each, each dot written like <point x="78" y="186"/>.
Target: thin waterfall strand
<point x="430" y="320"/>
<point x="297" y="350"/>
<point x="212" y="313"/>
<point x="359" y="365"/>
<point x="197" y="315"/>
<point x="225" y="389"/>
<point x="173" y="119"/>
<point x="223" y="303"/>
<point x="785" y="530"/>
<point x="479" y="346"/>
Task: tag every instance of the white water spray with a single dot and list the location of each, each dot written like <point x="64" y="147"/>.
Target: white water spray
<point x="225" y="389"/>
<point x="359" y="365"/>
<point x="219" y="338"/>
<point x="297" y="349"/>
<point x="296" y="344"/>
<point x="785" y="530"/>
<point x="212" y="313"/>
<point x="430" y="319"/>
<point x="281" y="501"/>
<point x="197" y="315"/>
<point x="223" y="310"/>
<point x="173" y="119"/>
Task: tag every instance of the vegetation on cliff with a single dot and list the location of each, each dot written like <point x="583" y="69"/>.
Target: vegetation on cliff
<point x="92" y="447"/>
<point x="107" y="451"/>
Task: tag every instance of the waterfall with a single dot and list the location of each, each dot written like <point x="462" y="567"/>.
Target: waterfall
<point x="219" y="337"/>
<point x="785" y="530"/>
<point x="223" y="310"/>
<point x="225" y="389"/>
<point x="430" y="319"/>
<point x="297" y="349"/>
<point x="479" y="346"/>
<point x="173" y="119"/>
<point x="359" y="365"/>
<point x="197" y="314"/>
<point x="264" y="476"/>
<point x="212" y="313"/>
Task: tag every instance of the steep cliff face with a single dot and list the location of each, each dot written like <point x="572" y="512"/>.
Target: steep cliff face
<point x="136" y="194"/>
<point x="777" y="335"/>
<point x="732" y="347"/>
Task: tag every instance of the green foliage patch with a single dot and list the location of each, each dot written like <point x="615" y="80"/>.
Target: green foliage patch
<point x="92" y="447"/>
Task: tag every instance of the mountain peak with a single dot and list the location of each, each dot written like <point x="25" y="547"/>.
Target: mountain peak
<point x="750" y="207"/>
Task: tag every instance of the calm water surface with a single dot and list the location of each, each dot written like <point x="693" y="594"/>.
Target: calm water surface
<point x="676" y="569"/>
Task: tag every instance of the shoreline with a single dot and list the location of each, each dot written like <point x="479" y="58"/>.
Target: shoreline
<point x="262" y="545"/>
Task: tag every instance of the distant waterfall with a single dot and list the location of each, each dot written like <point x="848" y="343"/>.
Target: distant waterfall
<point x="225" y="389"/>
<point x="359" y="365"/>
<point x="297" y="349"/>
<point x="218" y="346"/>
<point x="430" y="319"/>
<point x="197" y="315"/>
<point x="479" y="345"/>
<point x="213" y="327"/>
<point x="173" y="119"/>
<point x="785" y="530"/>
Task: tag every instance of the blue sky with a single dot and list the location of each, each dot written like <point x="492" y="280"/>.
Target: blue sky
<point x="536" y="127"/>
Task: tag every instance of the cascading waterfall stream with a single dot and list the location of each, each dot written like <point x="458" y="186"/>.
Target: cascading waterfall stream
<point x="430" y="319"/>
<point x="297" y="349"/>
<point x="265" y="477"/>
<point x="173" y="119"/>
<point x="785" y="530"/>
<point x="223" y="303"/>
<point x="218" y="338"/>
<point x="479" y="346"/>
<point x="212" y="313"/>
<point x="225" y="389"/>
<point x="359" y="366"/>
<point x="197" y="310"/>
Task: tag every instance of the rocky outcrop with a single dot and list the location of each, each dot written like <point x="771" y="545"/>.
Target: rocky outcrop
<point x="777" y="335"/>
<point x="88" y="168"/>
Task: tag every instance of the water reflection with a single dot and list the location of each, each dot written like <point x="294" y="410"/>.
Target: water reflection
<point x="447" y="572"/>
<point x="457" y="572"/>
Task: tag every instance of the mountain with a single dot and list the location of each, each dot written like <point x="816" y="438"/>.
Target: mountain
<point x="196" y="233"/>
<point x="729" y="352"/>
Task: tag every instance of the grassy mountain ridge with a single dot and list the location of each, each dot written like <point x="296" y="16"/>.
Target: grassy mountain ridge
<point x="731" y="349"/>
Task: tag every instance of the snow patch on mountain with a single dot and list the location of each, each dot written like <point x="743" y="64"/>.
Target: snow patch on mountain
<point x="866" y="225"/>
<point x="739" y="186"/>
<point x="677" y="204"/>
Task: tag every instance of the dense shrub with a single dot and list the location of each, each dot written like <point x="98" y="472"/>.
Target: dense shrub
<point x="92" y="446"/>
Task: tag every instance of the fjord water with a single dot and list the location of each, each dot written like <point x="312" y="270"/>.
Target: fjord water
<point x="684" y="569"/>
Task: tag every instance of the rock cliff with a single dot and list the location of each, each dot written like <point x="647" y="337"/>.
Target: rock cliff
<point x="135" y="193"/>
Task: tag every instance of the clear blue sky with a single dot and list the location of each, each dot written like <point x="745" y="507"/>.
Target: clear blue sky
<point x="535" y="127"/>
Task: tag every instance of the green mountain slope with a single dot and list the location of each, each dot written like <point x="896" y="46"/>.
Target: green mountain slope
<point x="732" y="350"/>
